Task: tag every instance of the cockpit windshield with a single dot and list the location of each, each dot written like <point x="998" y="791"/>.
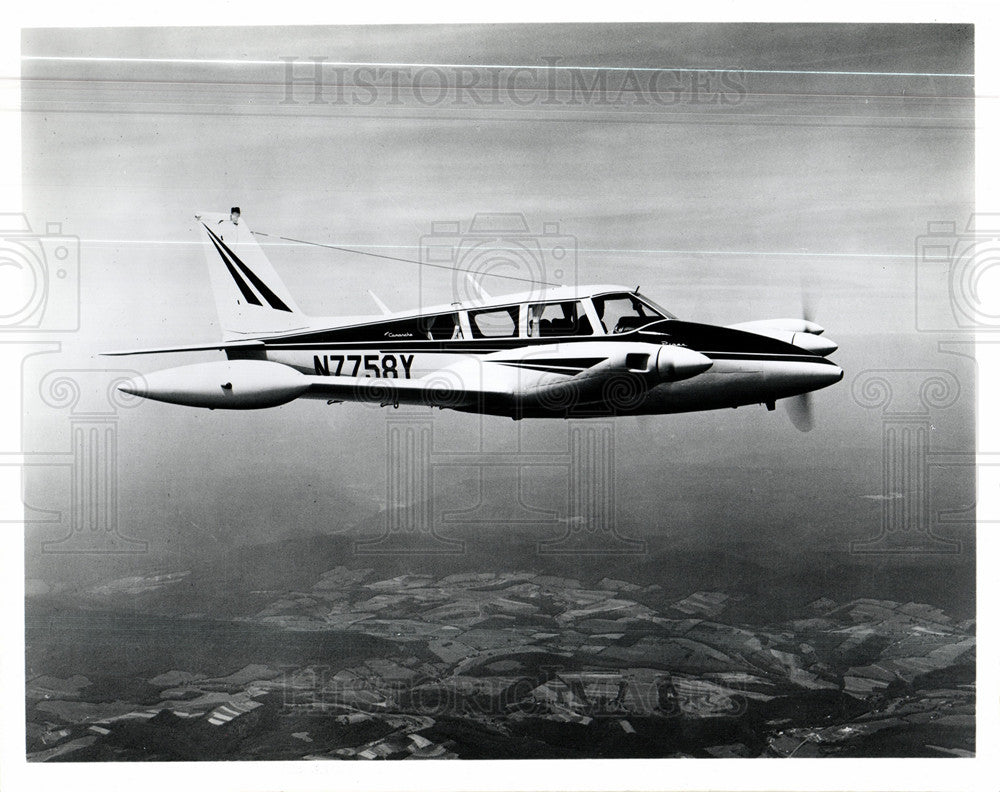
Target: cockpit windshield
<point x="620" y="313"/>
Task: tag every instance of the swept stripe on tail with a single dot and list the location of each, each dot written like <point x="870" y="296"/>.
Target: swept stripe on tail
<point x="228" y="256"/>
<point x="250" y="298"/>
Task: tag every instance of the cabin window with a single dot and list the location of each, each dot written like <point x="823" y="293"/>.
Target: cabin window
<point x="558" y="319"/>
<point x="499" y="323"/>
<point x="620" y="313"/>
<point x="442" y="328"/>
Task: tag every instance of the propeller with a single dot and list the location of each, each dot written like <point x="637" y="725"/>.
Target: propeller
<point x="800" y="411"/>
<point x="799" y="407"/>
<point x="806" y="299"/>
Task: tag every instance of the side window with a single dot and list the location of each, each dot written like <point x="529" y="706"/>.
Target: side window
<point x="558" y="319"/>
<point x="499" y="323"/>
<point x="442" y="328"/>
<point x="620" y="313"/>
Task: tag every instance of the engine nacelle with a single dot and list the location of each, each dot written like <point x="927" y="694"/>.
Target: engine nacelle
<point x="798" y="332"/>
<point x="675" y="363"/>
<point x="627" y="373"/>
<point x="788" y="325"/>
<point x="663" y="363"/>
<point x="224" y="385"/>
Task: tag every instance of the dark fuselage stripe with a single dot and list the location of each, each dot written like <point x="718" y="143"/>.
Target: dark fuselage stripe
<point x="427" y="346"/>
<point x="714" y="343"/>
<point x="549" y="369"/>
<point x="762" y="357"/>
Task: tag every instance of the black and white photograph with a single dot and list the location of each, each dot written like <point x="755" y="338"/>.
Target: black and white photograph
<point x="459" y="390"/>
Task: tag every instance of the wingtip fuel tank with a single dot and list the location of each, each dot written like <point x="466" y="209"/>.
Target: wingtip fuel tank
<point x="225" y="385"/>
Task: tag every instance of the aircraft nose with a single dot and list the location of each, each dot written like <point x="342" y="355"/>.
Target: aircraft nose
<point x="801" y="376"/>
<point x="830" y="375"/>
<point x="814" y="343"/>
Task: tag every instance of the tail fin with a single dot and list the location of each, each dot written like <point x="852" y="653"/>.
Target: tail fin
<point x="249" y="295"/>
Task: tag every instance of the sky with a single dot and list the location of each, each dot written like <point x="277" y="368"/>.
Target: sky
<point x="768" y="187"/>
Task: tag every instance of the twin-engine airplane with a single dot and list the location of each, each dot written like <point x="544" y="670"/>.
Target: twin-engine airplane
<point x="553" y="353"/>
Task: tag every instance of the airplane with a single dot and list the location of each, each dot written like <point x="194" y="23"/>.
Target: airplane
<point x="553" y="352"/>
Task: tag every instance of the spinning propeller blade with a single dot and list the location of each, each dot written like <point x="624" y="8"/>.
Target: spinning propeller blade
<point x="800" y="411"/>
<point x="806" y="299"/>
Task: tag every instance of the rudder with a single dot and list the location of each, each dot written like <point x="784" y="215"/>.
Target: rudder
<point x="250" y="297"/>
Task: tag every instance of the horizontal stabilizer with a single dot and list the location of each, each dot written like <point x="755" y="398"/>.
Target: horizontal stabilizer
<point x="220" y="345"/>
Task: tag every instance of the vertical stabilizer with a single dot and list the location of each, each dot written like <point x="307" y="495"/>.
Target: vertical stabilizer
<point x="249" y="295"/>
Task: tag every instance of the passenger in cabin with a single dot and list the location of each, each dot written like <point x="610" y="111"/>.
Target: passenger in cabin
<point x="558" y="319"/>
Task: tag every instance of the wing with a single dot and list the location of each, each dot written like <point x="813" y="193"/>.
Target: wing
<point x="527" y="377"/>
